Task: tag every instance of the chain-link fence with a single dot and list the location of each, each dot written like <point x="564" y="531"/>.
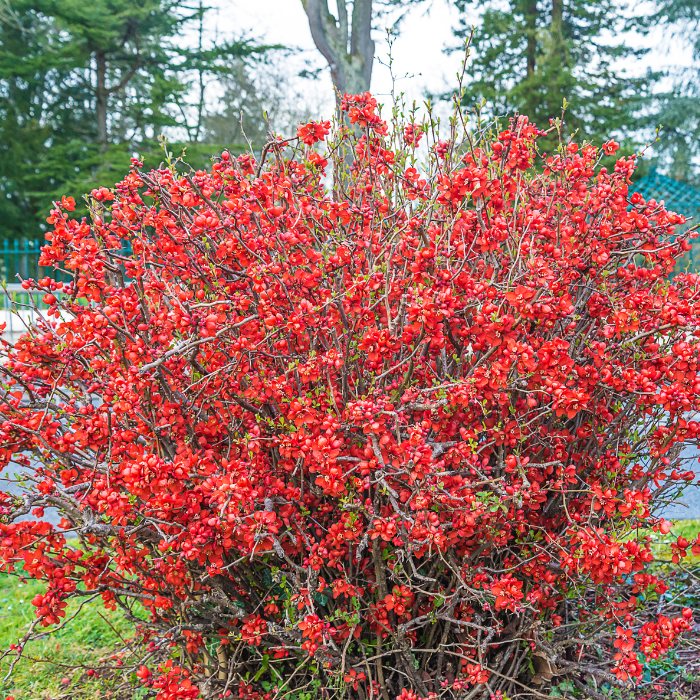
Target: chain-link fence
<point x="678" y="197"/>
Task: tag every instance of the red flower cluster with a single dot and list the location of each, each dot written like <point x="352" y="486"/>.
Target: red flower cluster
<point x="446" y="392"/>
<point x="508" y="592"/>
<point x="656" y="639"/>
<point x="313" y="132"/>
<point x="412" y="134"/>
<point x="174" y="684"/>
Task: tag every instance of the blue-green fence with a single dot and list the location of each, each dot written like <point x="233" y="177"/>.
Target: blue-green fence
<point x="681" y="198"/>
<point x="20" y="261"/>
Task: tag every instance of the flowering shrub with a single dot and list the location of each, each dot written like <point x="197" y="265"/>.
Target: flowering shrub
<point x="402" y="437"/>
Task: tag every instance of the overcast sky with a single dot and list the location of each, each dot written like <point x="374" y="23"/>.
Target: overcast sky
<point x="418" y="52"/>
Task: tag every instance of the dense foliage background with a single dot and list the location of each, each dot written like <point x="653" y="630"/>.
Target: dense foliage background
<point x="81" y="92"/>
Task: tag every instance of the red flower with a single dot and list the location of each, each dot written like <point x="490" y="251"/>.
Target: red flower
<point x="313" y="132"/>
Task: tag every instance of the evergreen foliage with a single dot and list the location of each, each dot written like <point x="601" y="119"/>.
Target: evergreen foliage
<point x="532" y="56"/>
<point x="678" y="110"/>
<point x="82" y="92"/>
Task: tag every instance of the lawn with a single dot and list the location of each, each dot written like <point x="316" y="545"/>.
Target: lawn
<point x="688" y="529"/>
<point x="55" y="667"/>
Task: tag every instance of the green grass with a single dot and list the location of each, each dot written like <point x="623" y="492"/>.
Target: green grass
<point x="55" y="667"/>
<point x="681" y="528"/>
<point x="686" y="528"/>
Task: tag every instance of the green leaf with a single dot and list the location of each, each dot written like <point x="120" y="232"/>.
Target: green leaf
<point x="263" y="668"/>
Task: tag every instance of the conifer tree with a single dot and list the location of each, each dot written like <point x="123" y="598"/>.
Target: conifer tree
<point x="531" y="56"/>
<point x="678" y="110"/>
<point x="83" y="86"/>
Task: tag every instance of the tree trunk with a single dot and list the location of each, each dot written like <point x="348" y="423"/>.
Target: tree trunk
<point x="531" y="23"/>
<point x="348" y="47"/>
<point x="361" y="43"/>
<point x="200" y="106"/>
<point x="101" y="95"/>
<point x="557" y="30"/>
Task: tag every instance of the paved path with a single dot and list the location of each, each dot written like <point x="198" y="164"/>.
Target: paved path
<point x="687" y="505"/>
<point x="688" y="508"/>
<point x="10" y="486"/>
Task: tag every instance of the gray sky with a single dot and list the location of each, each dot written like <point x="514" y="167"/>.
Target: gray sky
<point x="417" y="52"/>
